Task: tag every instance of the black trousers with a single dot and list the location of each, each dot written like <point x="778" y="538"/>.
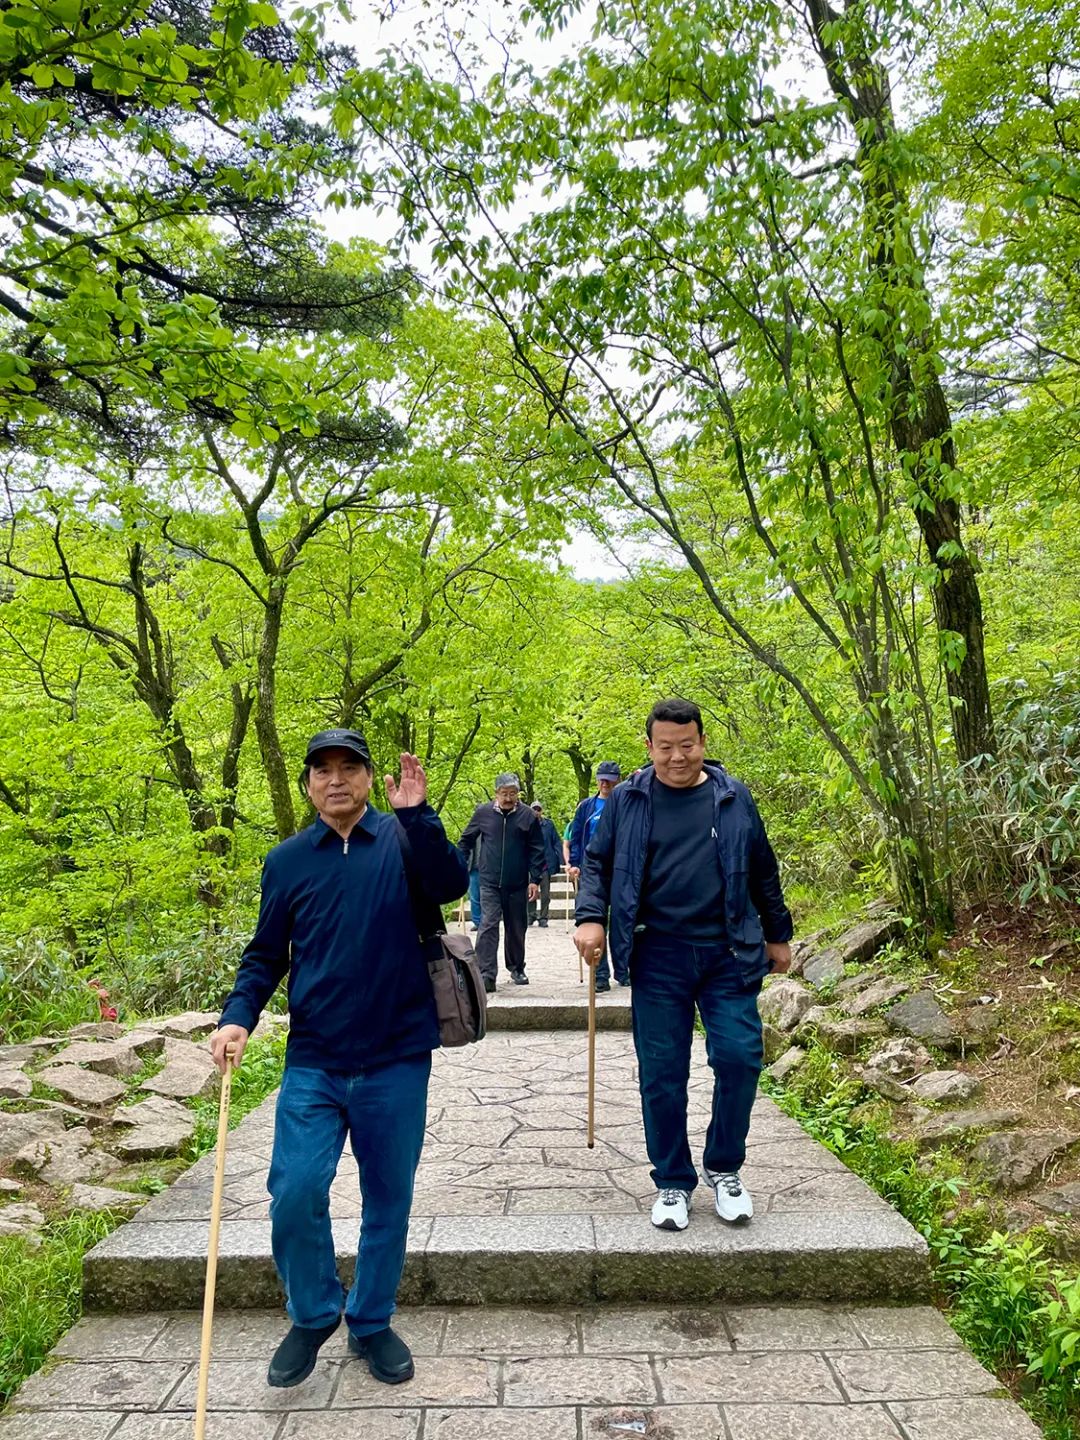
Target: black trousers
<point x="497" y="903"/>
<point x="545" y="899"/>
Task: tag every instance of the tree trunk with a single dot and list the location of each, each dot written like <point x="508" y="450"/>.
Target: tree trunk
<point x="266" y="731"/>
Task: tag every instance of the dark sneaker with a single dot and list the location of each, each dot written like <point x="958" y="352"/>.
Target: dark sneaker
<point x="388" y="1357"/>
<point x="625" y="982"/>
<point x="295" y="1357"/>
<point x="602" y="986"/>
<point x="489" y="987"/>
<point x="543" y="924"/>
<point x="519" y="977"/>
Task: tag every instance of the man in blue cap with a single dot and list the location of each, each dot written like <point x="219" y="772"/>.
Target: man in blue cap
<point x="583" y="828"/>
<point x="342" y="905"/>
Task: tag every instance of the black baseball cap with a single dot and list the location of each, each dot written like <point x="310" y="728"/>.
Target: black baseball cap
<point x="350" y="740"/>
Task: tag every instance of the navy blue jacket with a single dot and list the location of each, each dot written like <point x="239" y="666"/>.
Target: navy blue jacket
<point x="582" y="815"/>
<point x="552" y="845"/>
<point x="611" y="877"/>
<point x="336" y="915"/>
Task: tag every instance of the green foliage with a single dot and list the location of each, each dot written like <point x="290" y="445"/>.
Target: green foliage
<point x="1017" y="1310"/>
<point x="259" y="1075"/>
<point x="42" y="1291"/>
<point x="43" y="991"/>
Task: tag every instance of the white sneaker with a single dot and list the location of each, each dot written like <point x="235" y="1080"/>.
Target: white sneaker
<point x="733" y="1202"/>
<point x="672" y="1210"/>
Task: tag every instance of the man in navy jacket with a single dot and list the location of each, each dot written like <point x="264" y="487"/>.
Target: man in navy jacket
<point x="552" y="860"/>
<point x="582" y="829"/>
<point x="681" y="862"/>
<point x="337" y="915"/>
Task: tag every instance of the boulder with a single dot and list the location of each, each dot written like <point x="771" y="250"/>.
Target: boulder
<point x="776" y="1042"/>
<point x="1013" y="1159"/>
<point x="20" y="1220"/>
<point x="851" y="984"/>
<point x="97" y="1030"/>
<point x="83" y="1086"/>
<point x="17" y="1130"/>
<point x="824" y="970"/>
<point x="145" y="1042"/>
<point x="100" y="1197"/>
<point x="153" y="1129"/>
<point x="14" y="1084"/>
<point x="1061" y="1200"/>
<point x="863" y="941"/>
<point x="883" y="1083"/>
<point x="192" y="1025"/>
<point x="941" y="1086"/>
<point x="784" y="1003"/>
<point x="977" y="1023"/>
<point x="922" y="1017"/>
<point x="881" y="992"/>
<point x="105" y="1057"/>
<point x="188" y="1074"/>
<point x="937" y="1127"/>
<point x="9" y="1187"/>
<point x="64" y="1159"/>
<point x="848" y="1036"/>
<point x="901" y="1058"/>
<point x="155" y="1110"/>
<point x="20" y="1053"/>
<point x="789" y="1061"/>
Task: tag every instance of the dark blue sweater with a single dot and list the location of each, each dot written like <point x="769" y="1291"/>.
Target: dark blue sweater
<point x="336" y="916"/>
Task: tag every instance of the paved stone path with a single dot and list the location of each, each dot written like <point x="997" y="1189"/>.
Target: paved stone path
<point x="512" y="1208"/>
<point x="705" y="1373"/>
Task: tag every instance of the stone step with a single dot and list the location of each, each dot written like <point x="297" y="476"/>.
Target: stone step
<point x="512" y="1207"/>
<point x="666" y="1372"/>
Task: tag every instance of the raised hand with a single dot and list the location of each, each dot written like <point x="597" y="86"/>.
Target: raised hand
<point x="411" y="789"/>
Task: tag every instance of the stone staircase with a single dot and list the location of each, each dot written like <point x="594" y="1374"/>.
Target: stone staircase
<point x="539" y="1300"/>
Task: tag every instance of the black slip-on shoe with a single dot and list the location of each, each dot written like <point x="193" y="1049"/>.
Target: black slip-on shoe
<point x="489" y="987"/>
<point x="389" y="1358"/>
<point x="519" y="977"/>
<point x="295" y="1357"/>
<point x="602" y="986"/>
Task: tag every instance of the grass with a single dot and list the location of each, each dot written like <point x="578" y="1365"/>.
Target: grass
<point x="41" y="1286"/>
<point x="41" y="1290"/>
<point x="1019" y="1311"/>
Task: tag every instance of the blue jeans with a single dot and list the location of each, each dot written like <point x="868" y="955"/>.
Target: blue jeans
<point x="474" y="897"/>
<point x="384" y="1111"/>
<point x="670" y="978"/>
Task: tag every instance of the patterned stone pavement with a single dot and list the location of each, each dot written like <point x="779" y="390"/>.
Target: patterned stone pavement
<point x="704" y="1373"/>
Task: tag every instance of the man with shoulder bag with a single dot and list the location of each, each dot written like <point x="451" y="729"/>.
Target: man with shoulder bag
<point x="349" y="907"/>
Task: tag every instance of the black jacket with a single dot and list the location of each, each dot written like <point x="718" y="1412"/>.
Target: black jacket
<point x="510" y="847"/>
<point x="614" y="868"/>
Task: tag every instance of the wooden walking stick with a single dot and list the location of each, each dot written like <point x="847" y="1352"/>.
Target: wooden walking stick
<point x="592" y="1056"/>
<point x="212" y="1246"/>
<point x="571" y="892"/>
<point x="461" y="915"/>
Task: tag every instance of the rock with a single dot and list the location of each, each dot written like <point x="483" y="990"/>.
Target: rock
<point x="83" y="1086"/>
<point x="81" y="1117"/>
<point x="106" y="1058"/>
<point x="940" y="1086"/>
<point x="9" y="1187"/>
<point x="1061" y="1200"/>
<point x="20" y="1219"/>
<point x="806" y="1033"/>
<point x="881" y="992"/>
<point x="14" y="1084"/>
<point x="977" y="1023"/>
<point x="901" y="1058"/>
<point x="189" y="1072"/>
<point x="851" y="984"/>
<point x="784" y="1003"/>
<point x="934" y="1128"/>
<point x="789" y="1061"/>
<point x="19" y="1054"/>
<point x="100" y="1197"/>
<point x="863" y="941"/>
<point x="159" y="1127"/>
<point x="97" y="1030"/>
<point x="824" y="970"/>
<point x="144" y="1042"/>
<point x="64" y="1159"/>
<point x="848" y="1036"/>
<point x="1013" y="1159"/>
<point x="921" y="1016"/>
<point x="776" y="1042"/>
<point x="883" y="1083"/>
<point x="17" y="1130"/>
<point x="192" y="1025"/>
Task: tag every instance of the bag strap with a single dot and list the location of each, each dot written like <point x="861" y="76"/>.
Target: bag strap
<point x="427" y="916"/>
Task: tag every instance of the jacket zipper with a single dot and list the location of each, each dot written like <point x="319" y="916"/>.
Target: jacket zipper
<point x="345" y="851"/>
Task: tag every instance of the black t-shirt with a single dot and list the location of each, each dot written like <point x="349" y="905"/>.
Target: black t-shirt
<point x="683" y="888"/>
